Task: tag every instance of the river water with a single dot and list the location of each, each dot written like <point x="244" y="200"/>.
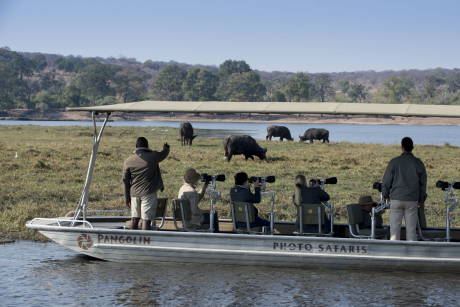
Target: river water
<point x="384" y="134"/>
<point x="37" y="274"/>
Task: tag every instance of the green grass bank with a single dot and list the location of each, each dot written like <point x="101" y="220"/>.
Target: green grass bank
<point x="47" y="177"/>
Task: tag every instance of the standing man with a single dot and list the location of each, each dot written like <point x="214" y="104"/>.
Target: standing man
<point x="141" y="181"/>
<point x="405" y="182"/>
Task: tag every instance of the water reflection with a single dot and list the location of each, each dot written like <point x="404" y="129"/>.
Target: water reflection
<point x="48" y="274"/>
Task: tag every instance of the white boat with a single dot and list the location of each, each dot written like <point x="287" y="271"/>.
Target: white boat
<point x="106" y="237"/>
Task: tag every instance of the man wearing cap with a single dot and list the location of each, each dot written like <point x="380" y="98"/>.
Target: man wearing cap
<point x="405" y="183"/>
<point x="188" y="192"/>
<point x="141" y="181"/>
<point x="242" y="193"/>
<point x="367" y="203"/>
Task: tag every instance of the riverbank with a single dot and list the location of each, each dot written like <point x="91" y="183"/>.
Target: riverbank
<point x="21" y="114"/>
<point x="47" y="176"/>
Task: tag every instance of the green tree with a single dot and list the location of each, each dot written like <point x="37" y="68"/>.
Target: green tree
<point x="150" y="64"/>
<point x="396" y="89"/>
<point x="40" y="62"/>
<point x="298" y="87"/>
<point x="9" y="82"/>
<point x="95" y="81"/>
<point x="453" y="83"/>
<point x="279" y="97"/>
<point x="168" y="85"/>
<point x="129" y="85"/>
<point x="323" y="86"/>
<point x="230" y="67"/>
<point x="74" y="97"/>
<point x="357" y="92"/>
<point x="200" y="85"/>
<point x="344" y="86"/>
<point x="245" y="87"/>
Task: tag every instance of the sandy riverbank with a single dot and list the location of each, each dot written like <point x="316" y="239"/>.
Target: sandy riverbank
<point x="273" y="118"/>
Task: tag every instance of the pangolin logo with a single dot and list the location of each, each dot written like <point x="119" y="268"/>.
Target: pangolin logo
<point x="84" y="242"/>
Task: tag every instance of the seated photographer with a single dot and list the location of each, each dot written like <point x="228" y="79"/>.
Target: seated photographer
<point x="367" y="203"/>
<point x="188" y="192"/>
<point x="310" y="194"/>
<point x="241" y="192"/>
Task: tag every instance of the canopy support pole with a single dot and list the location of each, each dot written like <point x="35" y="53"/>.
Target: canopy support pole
<point x="82" y="204"/>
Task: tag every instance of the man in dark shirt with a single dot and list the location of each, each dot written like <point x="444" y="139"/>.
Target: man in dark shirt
<point x="241" y="193"/>
<point x="405" y="182"/>
<point x="141" y="181"/>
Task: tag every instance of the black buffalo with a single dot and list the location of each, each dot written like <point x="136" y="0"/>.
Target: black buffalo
<point x="315" y="134"/>
<point x="243" y="145"/>
<point x="279" y="131"/>
<point x="186" y="134"/>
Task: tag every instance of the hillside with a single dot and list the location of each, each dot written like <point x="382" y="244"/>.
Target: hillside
<point x="33" y="80"/>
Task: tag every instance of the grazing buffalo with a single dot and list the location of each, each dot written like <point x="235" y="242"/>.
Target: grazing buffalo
<point x="243" y="145"/>
<point x="279" y="131"/>
<point x="186" y="134"/>
<point x="315" y="134"/>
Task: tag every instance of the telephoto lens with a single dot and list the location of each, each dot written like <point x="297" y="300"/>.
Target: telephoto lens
<point x="445" y="185"/>
<point x="442" y="184"/>
<point x="205" y="177"/>
<point x="332" y="180"/>
<point x="269" y="179"/>
<point x="377" y="186"/>
<point x="220" y="177"/>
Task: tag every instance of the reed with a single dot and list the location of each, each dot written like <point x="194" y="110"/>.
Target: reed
<point x="47" y="177"/>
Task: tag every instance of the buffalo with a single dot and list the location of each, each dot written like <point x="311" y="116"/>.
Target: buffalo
<point x="315" y="134"/>
<point x="186" y="134"/>
<point x="243" y="145"/>
<point x="279" y="131"/>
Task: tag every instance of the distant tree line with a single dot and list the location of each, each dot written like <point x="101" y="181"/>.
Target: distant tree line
<point x="43" y="81"/>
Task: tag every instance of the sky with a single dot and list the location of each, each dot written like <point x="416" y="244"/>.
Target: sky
<point x="289" y="35"/>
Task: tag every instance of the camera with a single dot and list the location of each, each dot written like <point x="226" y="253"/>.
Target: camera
<point x="331" y="180"/>
<point x="269" y="179"/>
<point x="444" y="185"/>
<point x="208" y="178"/>
<point x="377" y="186"/>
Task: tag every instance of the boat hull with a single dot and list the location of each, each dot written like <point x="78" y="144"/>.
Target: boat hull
<point x="265" y="250"/>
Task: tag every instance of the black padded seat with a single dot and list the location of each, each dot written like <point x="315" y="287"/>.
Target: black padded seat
<point x="312" y="214"/>
<point x="244" y="212"/>
<point x="181" y="213"/>
<point x="355" y="217"/>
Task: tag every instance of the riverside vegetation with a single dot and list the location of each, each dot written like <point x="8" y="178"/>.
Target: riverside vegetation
<point x="47" y="177"/>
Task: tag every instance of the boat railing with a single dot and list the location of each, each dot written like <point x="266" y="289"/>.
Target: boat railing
<point x="60" y="222"/>
<point x="98" y="212"/>
<point x="449" y="198"/>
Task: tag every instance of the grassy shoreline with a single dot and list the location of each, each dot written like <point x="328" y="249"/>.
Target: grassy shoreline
<point x="47" y="178"/>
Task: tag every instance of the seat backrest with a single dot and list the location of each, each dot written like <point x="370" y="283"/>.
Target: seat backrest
<point x="177" y="210"/>
<point x="422" y="217"/>
<point x="354" y="214"/>
<point x="240" y="211"/>
<point x="310" y="214"/>
<point x="161" y="208"/>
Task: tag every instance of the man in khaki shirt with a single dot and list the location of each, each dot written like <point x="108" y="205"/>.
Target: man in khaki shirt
<point x="141" y="181"/>
<point x="405" y="183"/>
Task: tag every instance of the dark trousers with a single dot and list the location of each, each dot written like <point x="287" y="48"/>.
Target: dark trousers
<point x="257" y="223"/>
<point x="207" y="220"/>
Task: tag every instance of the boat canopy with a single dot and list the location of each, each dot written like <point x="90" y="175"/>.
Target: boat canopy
<point x="332" y="108"/>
